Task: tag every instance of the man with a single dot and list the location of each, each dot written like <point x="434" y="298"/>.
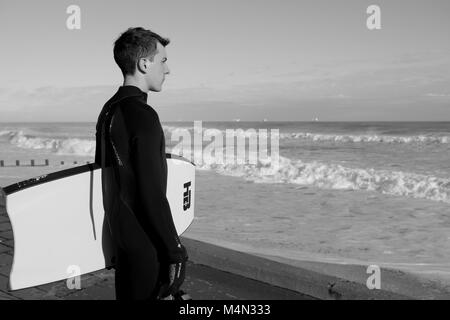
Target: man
<point x="149" y="257"/>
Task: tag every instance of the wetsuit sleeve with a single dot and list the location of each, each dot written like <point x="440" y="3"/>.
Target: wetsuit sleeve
<point x="146" y="159"/>
<point x="98" y="147"/>
<point x="98" y="136"/>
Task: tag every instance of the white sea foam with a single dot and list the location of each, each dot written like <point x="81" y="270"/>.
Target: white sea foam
<point x="334" y="176"/>
<point x="366" y="138"/>
<point x="6" y="133"/>
<point x="322" y="137"/>
<point x="69" y="146"/>
<point x="314" y="173"/>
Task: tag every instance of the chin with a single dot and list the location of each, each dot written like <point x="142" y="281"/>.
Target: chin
<point x="156" y="89"/>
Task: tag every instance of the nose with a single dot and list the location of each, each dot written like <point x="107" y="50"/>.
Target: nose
<point x="167" y="70"/>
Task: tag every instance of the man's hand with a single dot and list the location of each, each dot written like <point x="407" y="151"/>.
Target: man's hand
<point x="172" y="277"/>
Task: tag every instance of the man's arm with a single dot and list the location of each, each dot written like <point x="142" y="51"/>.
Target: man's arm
<point x="97" y="148"/>
<point x="147" y="164"/>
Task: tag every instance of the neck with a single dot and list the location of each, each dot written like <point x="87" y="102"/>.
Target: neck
<point x="137" y="82"/>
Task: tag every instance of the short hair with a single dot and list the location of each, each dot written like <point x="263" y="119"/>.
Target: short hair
<point x="134" y="44"/>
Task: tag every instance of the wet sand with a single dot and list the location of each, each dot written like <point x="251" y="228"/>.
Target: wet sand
<point x="307" y="223"/>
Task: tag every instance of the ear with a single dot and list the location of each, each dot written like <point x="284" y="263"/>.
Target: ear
<point x="143" y="65"/>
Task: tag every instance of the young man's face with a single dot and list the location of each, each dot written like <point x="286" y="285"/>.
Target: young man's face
<point x="157" y="70"/>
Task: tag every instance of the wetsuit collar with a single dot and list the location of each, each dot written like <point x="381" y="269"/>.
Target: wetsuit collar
<point x="131" y="91"/>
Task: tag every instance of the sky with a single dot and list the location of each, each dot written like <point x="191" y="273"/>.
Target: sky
<point x="235" y="59"/>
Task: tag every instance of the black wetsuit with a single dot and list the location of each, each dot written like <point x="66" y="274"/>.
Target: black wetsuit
<point x="131" y="150"/>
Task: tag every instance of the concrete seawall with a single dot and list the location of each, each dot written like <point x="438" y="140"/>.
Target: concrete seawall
<point x="315" y="279"/>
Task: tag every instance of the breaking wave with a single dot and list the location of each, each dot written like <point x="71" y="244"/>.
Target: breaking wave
<point x="314" y="173"/>
<point x="60" y="146"/>
<point x="322" y="137"/>
<point x="367" y="138"/>
<point x="335" y="176"/>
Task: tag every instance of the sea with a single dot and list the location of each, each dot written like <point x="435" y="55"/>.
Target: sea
<point x="342" y="192"/>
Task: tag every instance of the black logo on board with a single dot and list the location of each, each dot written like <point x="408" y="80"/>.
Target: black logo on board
<point x="187" y="196"/>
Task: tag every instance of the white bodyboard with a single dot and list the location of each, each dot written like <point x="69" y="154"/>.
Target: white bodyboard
<point x="58" y="220"/>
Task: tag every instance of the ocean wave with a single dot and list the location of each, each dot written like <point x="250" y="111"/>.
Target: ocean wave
<point x="338" y="177"/>
<point x="314" y="173"/>
<point x="6" y="133"/>
<point x="66" y="146"/>
<point x="366" y="138"/>
<point x="322" y="137"/>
